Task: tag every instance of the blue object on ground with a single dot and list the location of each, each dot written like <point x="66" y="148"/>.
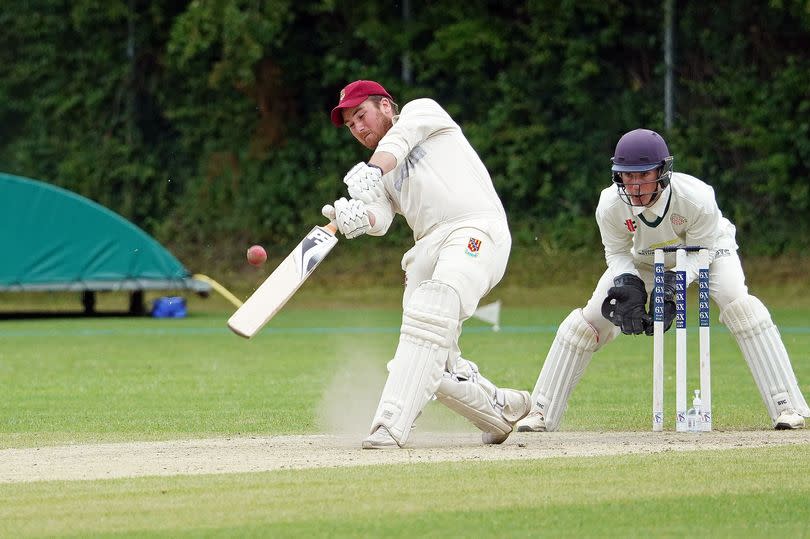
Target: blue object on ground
<point x="169" y="307"/>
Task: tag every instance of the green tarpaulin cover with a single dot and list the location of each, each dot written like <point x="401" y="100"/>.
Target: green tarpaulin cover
<point x="54" y="239"/>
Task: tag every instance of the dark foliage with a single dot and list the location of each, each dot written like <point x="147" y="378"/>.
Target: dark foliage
<point x="206" y="123"/>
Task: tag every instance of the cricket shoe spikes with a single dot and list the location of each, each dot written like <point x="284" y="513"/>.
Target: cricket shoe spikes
<point x="789" y="420"/>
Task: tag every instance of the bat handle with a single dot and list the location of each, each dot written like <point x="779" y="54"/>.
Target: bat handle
<point x="331" y="227"/>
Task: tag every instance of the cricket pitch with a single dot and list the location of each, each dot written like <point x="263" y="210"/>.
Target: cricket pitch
<point x="268" y="453"/>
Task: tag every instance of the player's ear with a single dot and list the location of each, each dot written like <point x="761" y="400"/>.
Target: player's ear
<point x="386" y="106"/>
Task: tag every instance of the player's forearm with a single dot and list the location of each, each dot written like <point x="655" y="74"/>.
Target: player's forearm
<point x="386" y="161"/>
<point x="618" y="250"/>
<point x="619" y="257"/>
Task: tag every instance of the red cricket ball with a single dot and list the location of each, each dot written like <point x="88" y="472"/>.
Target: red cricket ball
<point x="256" y="255"/>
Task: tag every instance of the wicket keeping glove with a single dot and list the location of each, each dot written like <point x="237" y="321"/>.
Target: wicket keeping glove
<point x="669" y="303"/>
<point x="365" y="182"/>
<point x="625" y="304"/>
<point x="350" y="217"/>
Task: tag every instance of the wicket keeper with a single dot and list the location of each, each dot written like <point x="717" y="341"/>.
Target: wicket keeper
<point x="650" y="206"/>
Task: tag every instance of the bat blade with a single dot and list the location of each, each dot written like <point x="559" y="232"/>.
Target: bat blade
<point x="285" y="280"/>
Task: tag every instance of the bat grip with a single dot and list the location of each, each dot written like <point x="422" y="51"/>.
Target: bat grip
<point x="331" y="227"/>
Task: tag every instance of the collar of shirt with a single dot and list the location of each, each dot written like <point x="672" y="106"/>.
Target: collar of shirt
<point x="660" y="206"/>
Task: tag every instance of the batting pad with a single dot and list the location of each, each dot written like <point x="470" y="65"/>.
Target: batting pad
<point x="762" y="347"/>
<point x="429" y="325"/>
<point x="574" y="344"/>
<point x="490" y="409"/>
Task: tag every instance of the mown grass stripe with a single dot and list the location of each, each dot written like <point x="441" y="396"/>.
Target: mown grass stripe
<point x="169" y="331"/>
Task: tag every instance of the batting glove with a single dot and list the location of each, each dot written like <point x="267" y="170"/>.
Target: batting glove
<point x="350" y="217"/>
<point x="365" y="182"/>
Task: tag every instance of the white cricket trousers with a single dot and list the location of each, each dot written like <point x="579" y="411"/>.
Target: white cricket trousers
<point x="470" y="260"/>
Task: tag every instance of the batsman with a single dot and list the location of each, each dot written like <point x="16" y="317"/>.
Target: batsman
<point x="423" y="168"/>
<point x="649" y="206"/>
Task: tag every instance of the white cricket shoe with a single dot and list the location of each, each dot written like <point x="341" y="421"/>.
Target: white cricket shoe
<point x="517" y="405"/>
<point x="380" y="439"/>
<point x="534" y="422"/>
<point x="789" y="420"/>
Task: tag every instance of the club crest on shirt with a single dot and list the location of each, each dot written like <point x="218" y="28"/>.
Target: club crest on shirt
<point x="677" y="220"/>
<point x="630" y="224"/>
<point x="473" y="246"/>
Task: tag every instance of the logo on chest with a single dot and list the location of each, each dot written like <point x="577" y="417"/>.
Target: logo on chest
<point x="473" y="247"/>
<point x="677" y="220"/>
<point x="630" y="224"/>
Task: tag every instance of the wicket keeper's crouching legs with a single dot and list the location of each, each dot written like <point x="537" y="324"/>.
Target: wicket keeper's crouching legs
<point x="583" y="332"/>
<point x="760" y="342"/>
<point x="746" y="317"/>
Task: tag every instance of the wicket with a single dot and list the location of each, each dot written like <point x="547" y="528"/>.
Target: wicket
<point x="705" y="412"/>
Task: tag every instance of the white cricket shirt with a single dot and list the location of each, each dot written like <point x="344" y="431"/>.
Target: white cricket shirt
<point x="686" y="213"/>
<point x="439" y="178"/>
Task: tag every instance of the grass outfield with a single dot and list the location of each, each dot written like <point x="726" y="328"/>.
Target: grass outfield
<point x="735" y="493"/>
<point x="315" y="369"/>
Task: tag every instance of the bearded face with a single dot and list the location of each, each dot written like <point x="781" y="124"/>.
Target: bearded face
<point x="369" y="121"/>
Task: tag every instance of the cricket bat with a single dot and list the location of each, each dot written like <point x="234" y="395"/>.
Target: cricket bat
<point x="285" y="280"/>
